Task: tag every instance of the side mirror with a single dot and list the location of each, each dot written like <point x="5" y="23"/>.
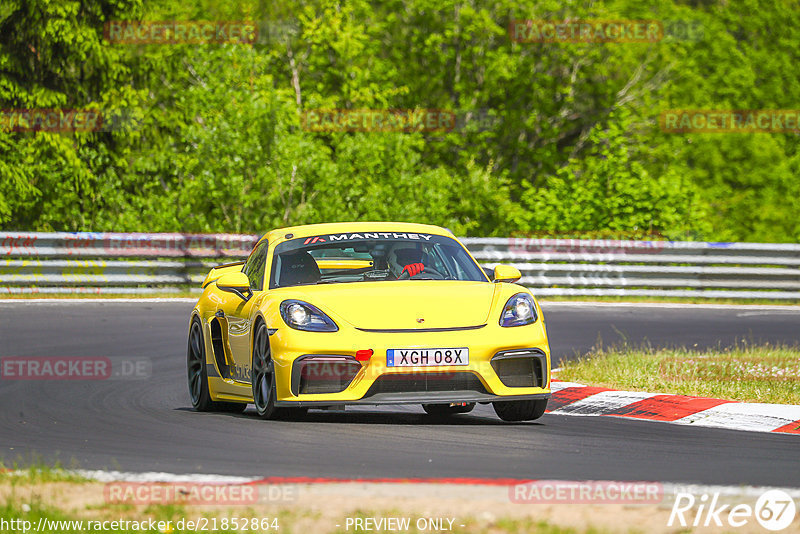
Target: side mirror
<point x="236" y="283"/>
<point x="506" y="273"/>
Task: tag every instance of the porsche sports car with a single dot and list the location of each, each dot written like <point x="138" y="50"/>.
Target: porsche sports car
<point x="330" y="315"/>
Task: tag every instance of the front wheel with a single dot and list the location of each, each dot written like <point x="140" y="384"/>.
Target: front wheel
<point x="525" y="410"/>
<point x="444" y="410"/>
<point x="263" y="380"/>
<point x="198" y="376"/>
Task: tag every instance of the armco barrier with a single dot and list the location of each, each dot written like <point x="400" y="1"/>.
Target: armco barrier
<point x="94" y="263"/>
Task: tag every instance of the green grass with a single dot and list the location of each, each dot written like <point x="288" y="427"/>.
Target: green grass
<point x="33" y="497"/>
<point x="35" y="472"/>
<point x="25" y="508"/>
<point x="763" y="373"/>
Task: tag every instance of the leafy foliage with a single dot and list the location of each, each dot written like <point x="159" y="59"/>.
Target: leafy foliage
<point x="549" y="136"/>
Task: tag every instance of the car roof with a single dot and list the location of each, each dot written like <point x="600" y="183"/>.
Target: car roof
<point x="308" y="230"/>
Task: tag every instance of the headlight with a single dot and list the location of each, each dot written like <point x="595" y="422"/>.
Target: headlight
<point x="304" y="316"/>
<point x="518" y="311"/>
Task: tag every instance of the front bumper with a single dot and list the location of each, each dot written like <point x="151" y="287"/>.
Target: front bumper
<point x="376" y="383"/>
<point x="427" y="398"/>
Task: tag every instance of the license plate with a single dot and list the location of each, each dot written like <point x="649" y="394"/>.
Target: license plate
<point x="426" y="357"/>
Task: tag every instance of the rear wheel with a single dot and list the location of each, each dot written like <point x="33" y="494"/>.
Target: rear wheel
<point x="526" y="410"/>
<point x="444" y="410"/>
<point x="197" y="375"/>
<point x="263" y="380"/>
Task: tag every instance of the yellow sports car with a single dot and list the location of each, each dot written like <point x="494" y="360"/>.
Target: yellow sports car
<point x="330" y="315"/>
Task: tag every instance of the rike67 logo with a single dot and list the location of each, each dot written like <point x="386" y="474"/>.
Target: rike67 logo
<point x="774" y="510"/>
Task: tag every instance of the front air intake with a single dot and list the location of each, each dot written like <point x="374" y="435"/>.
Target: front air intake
<point x="426" y="383"/>
<point x="315" y="374"/>
<point x="521" y="368"/>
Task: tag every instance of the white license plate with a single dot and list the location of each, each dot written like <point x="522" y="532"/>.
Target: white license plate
<point x="426" y="357"/>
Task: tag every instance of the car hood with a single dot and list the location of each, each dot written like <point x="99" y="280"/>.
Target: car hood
<point x="400" y="305"/>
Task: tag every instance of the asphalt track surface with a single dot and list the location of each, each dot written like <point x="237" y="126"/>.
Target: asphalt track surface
<point x="148" y="425"/>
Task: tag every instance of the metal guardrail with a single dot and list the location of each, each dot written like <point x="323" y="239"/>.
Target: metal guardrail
<point x="96" y="263"/>
<point x="113" y="263"/>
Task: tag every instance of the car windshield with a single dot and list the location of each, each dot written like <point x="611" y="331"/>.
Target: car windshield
<point x="371" y="257"/>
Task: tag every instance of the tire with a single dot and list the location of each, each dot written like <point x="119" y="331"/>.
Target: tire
<point x="263" y="380"/>
<point x="445" y="410"/>
<point x="526" y="410"/>
<point x="197" y="375"/>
